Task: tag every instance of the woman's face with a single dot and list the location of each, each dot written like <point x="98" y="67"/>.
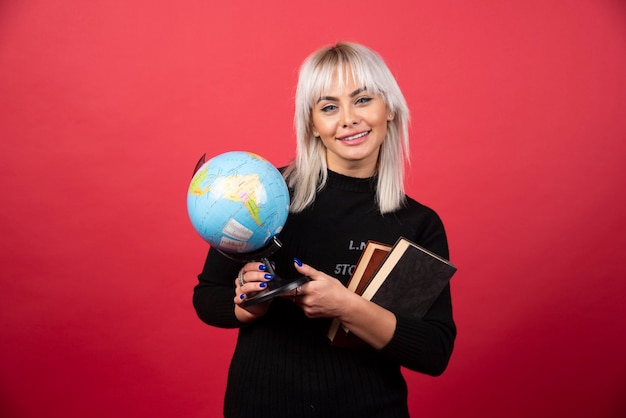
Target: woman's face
<point x="352" y="124"/>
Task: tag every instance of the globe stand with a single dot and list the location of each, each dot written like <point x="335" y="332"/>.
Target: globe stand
<point x="277" y="286"/>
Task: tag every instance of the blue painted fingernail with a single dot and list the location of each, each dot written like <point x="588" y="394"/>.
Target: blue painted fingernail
<point x="263" y="284"/>
<point x="243" y="295"/>
<point x="298" y="262"/>
<point x="262" y="267"/>
<point x="269" y="276"/>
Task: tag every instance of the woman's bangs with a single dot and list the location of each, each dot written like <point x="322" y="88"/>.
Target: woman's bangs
<point x="343" y="71"/>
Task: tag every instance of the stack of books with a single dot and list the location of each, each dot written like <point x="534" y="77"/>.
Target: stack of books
<point x="404" y="278"/>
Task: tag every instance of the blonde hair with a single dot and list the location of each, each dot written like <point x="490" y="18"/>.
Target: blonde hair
<point x="307" y="173"/>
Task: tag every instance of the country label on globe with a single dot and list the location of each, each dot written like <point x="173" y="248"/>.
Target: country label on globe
<point x="236" y="230"/>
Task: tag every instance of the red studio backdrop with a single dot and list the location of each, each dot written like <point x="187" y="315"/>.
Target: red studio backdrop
<point x="518" y="141"/>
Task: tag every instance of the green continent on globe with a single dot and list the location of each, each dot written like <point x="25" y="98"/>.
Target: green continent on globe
<point x="195" y="187"/>
<point x="245" y="189"/>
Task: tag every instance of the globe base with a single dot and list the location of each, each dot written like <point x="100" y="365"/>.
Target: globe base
<point x="276" y="287"/>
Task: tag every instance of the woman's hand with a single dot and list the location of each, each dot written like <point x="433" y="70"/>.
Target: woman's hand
<point x="325" y="296"/>
<point x="252" y="279"/>
<point x="322" y="297"/>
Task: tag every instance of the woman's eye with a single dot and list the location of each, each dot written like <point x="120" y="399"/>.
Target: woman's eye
<point x="362" y="100"/>
<point x="329" y="108"/>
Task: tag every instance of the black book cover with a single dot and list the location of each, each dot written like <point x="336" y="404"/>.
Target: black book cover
<point x="409" y="279"/>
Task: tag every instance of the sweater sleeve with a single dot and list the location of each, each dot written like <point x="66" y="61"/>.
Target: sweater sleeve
<point x="214" y="293"/>
<point x="425" y="345"/>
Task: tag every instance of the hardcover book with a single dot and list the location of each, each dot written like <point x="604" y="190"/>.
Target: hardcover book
<point x="371" y="258"/>
<point x="406" y="282"/>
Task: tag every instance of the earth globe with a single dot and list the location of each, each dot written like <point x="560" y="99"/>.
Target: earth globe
<point x="238" y="202"/>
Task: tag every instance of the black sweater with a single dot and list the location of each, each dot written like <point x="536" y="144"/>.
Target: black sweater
<point x="283" y="365"/>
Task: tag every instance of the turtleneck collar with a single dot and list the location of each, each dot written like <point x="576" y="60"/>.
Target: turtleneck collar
<point x="351" y="184"/>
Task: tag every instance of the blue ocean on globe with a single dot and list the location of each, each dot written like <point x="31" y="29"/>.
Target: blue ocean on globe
<point x="238" y="201"/>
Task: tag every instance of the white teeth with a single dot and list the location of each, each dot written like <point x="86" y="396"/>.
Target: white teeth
<point x="349" y="138"/>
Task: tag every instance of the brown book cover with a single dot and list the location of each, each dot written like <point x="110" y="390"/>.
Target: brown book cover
<point x="407" y="282"/>
<point x="371" y="258"/>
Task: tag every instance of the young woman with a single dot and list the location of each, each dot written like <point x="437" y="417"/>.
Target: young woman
<point x="347" y="187"/>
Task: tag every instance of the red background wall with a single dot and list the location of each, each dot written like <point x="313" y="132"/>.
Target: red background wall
<point x="518" y="142"/>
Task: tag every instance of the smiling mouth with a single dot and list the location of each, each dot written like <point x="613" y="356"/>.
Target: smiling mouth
<point x="353" y="137"/>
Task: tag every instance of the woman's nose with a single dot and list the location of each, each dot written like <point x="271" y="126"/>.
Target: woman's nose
<point x="349" y="117"/>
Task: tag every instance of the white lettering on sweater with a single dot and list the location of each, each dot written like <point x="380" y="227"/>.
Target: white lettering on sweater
<point x="353" y="246"/>
<point x="348" y="269"/>
<point x="344" y="269"/>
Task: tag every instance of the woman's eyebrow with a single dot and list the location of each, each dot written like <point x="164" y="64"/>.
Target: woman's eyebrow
<point x="334" y="99"/>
